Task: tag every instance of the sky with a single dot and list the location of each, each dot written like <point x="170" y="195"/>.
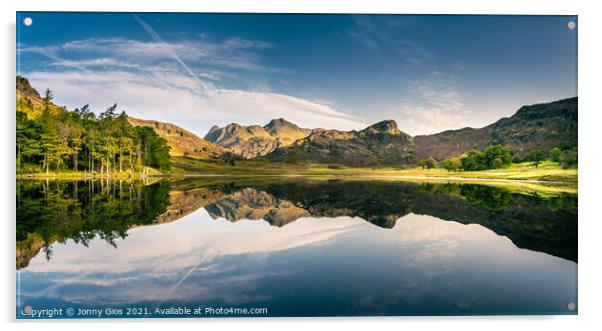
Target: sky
<point x="429" y="73"/>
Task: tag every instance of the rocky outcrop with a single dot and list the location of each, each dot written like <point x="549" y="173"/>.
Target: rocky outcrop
<point x="380" y="143"/>
<point x="254" y="140"/>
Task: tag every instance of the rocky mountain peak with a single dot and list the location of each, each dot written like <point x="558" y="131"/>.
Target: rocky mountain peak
<point x="386" y="127"/>
<point x="280" y="125"/>
<point x="277" y="122"/>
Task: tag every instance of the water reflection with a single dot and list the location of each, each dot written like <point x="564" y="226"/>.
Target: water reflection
<point x="298" y="247"/>
<point x="55" y="211"/>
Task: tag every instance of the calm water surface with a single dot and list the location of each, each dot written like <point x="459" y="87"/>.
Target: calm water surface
<point x="297" y="248"/>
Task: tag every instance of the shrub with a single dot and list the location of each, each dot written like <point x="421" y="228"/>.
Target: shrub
<point x="555" y="154"/>
<point x="536" y="157"/>
<point x="569" y="159"/>
<point x="451" y="164"/>
<point x="428" y="163"/>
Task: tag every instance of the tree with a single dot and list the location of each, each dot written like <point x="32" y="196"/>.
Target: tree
<point x="497" y="163"/>
<point x="470" y="161"/>
<point x="81" y="141"/>
<point x="496" y="156"/>
<point x="492" y="157"/>
<point x="569" y="159"/>
<point x="536" y="157"/>
<point x="28" y="139"/>
<point x="109" y="112"/>
<point x="47" y="99"/>
<point x="451" y="164"/>
<point x="428" y="163"/>
<point x="154" y="149"/>
<point x="555" y="154"/>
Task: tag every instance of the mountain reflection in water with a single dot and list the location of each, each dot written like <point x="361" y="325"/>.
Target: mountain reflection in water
<point x="311" y="229"/>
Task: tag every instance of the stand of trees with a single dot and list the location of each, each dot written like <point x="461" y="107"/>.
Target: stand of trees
<point x="498" y="156"/>
<point x="82" y="141"/>
<point x="566" y="158"/>
<point x="492" y="157"/>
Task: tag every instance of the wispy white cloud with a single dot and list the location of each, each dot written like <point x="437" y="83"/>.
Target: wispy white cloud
<point x="175" y="82"/>
<point x="168" y="96"/>
<point x="185" y="264"/>
<point x="432" y="105"/>
<point x="230" y="53"/>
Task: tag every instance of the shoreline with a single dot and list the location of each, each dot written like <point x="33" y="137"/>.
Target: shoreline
<point x="338" y="175"/>
<point x="477" y="179"/>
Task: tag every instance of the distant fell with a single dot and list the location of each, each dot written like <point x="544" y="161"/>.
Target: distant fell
<point x="181" y="141"/>
<point x="253" y="140"/>
<point x="541" y="126"/>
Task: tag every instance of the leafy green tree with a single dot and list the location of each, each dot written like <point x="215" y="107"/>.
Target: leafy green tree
<point x="470" y="161"/>
<point x="536" y="157"/>
<point x="492" y="157"/>
<point x="428" y="163"/>
<point x="80" y="141"/>
<point x="154" y="151"/>
<point x="555" y="154"/>
<point x="28" y="139"/>
<point x="569" y="159"/>
<point x="497" y="163"/>
<point x="496" y="156"/>
<point x="451" y="164"/>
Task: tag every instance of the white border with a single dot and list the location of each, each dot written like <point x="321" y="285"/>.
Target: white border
<point x="589" y="146"/>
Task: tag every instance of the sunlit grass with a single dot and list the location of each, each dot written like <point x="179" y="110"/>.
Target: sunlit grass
<point x="547" y="171"/>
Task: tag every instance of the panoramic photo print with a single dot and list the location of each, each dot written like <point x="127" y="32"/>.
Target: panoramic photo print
<point x="295" y="165"/>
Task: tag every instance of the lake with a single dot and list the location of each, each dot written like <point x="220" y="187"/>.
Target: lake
<point x="292" y="247"/>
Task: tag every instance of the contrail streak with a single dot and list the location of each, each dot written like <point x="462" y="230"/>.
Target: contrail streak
<point x="207" y="91"/>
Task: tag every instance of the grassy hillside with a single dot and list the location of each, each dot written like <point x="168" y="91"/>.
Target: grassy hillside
<point x="181" y="141"/>
<point x="541" y="126"/>
<point x="30" y="102"/>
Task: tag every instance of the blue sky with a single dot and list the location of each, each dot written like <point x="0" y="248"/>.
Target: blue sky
<point x="428" y="73"/>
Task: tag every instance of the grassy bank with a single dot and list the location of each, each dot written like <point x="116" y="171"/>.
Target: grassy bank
<point x="79" y="175"/>
<point x="546" y="172"/>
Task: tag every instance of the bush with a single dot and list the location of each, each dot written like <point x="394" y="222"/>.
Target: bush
<point x="497" y="163"/>
<point x="429" y="163"/>
<point x="536" y="157"/>
<point x="555" y="154"/>
<point x="569" y="159"/>
<point x="451" y="164"/>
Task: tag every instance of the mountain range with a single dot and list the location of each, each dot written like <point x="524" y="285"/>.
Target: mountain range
<point x="540" y="126"/>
